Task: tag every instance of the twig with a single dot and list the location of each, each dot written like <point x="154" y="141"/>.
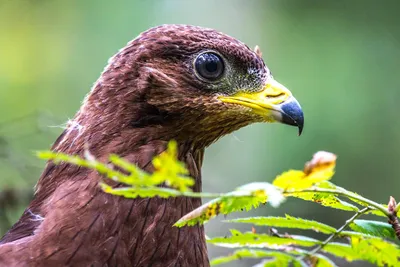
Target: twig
<point x="337" y="232"/>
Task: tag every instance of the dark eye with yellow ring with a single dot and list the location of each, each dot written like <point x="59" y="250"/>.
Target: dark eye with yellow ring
<point x="209" y="66"/>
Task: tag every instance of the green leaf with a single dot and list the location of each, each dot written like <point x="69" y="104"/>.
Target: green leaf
<point x="324" y="199"/>
<point x="131" y="192"/>
<point x="168" y="170"/>
<point x="374" y="228"/>
<point x="282" y="260"/>
<point x="319" y="169"/>
<point x="90" y="163"/>
<point x="245" y="197"/>
<point x="249" y="239"/>
<point x="284" y="256"/>
<point x="373" y="211"/>
<point x="322" y="261"/>
<point x="247" y="253"/>
<point x="372" y="249"/>
<point x="341" y="250"/>
<point x="263" y="191"/>
<point x="277" y="258"/>
<point x="377" y="212"/>
<point x="287" y="222"/>
<point x="377" y="251"/>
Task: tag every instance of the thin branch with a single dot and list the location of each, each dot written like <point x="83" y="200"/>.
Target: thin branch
<point x="337" y="232"/>
<point x="347" y="194"/>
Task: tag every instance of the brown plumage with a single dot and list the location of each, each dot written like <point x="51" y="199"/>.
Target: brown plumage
<point x="150" y="92"/>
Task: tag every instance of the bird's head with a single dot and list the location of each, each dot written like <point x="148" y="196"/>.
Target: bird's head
<point x="191" y="83"/>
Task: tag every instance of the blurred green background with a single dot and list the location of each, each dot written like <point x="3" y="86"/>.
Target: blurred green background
<point x="339" y="58"/>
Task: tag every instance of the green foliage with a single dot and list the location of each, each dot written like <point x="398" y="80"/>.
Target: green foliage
<point x="170" y="179"/>
<point x="168" y="171"/>
<point x="367" y="241"/>
<point x="374" y="228"/>
<point x="249" y="253"/>
<point x="275" y="257"/>
<point x="250" y="239"/>
<point x="287" y="222"/>
<point x="376" y="250"/>
<point x="325" y="199"/>
<point x="245" y="197"/>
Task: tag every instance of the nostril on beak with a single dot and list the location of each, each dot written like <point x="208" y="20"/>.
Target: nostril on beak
<point x="277" y="99"/>
<point x="275" y="96"/>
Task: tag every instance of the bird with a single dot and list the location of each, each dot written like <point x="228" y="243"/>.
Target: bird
<point x="172" y="82"/>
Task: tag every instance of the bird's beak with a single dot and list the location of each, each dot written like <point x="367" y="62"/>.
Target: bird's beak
<point x="274" y="103"/>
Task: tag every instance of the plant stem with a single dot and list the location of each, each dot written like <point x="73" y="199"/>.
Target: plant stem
<point x="347" y="194"/>
<point x="336" y="233"/>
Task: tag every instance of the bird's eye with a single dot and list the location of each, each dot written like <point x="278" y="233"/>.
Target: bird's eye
<point x="209" y="66"/>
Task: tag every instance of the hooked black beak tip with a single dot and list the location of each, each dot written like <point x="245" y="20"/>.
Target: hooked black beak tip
<point x="292" y="114"/>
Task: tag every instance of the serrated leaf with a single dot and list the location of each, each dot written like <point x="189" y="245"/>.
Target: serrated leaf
<point x="287" y="222"/>
<point x="318" y="177"/>
<point x="374" y="250"/>
<point x="324" y="199"/>
<point x="168" y="170"/>
<point x="374" y="228"/>
<point x="291" y="180"/>
<point x="287" y="253"/>
<point x="377" y="251"/>
<point x="239" y="239"/>
<point x="377" y="212"/>
<point x="330" y="185"/>
<point x="245" y="197"/>
<point x="355" y="234"/>
<point x="322" y="261"/>
<point x="317" y="171"/>
<point x="143" y="192"/>
<point x="91" y="163"/>
<point x="282" y="260"/>
<point x="263" y="190"/>
<point x="343" y="251"/>
<point x="246" y="253"/>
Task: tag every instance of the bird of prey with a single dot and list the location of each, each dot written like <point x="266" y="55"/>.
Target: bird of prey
<point x="173" y="82"/>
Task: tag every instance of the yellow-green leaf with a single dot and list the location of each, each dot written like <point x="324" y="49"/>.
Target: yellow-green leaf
<point x="244" y="198"/>
<point x="287" y="222"/>
<point x="324" y="199"/>
<point x="319" y="169"/>
<point x="322" y="261"/>
<point x="246" y="253"/>
<point x="134" y="192"/>
<point x="250" y="239"/>
<point x="376" y="250"/>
